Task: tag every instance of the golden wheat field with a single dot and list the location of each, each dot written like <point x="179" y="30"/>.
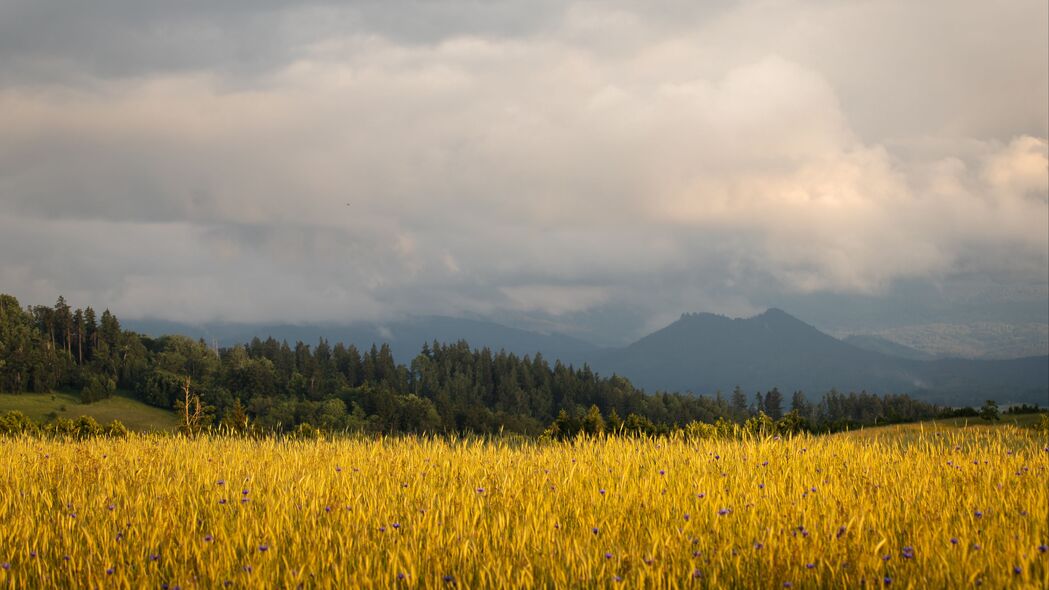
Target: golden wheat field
<point x="957" y="508"/>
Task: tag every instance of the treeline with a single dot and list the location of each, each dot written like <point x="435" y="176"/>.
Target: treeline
<point x="273" y="386"/>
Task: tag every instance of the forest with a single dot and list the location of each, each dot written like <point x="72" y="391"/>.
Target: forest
<point x="268" y="385"/>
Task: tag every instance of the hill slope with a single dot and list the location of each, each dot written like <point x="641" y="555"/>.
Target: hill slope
<point x="132" y="413"/>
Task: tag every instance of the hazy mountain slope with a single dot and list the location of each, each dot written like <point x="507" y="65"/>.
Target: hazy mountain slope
<point x="885" y="346"/>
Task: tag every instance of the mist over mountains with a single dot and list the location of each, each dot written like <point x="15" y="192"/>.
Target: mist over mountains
<point x="700" y="353"/>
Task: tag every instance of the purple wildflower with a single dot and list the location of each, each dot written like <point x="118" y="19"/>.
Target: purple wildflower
<point x="109" y="572"/>
<point x="1017" y="570"/>
<point x="686" y="518"/>
<point x="264" y="547"/>
<point x="601" y="491"/>
<point x="208" y="538"/>
<point x="810" y="566"/>
<point x="5" y="565"/>
<point x="954" y="540"/>
<point x="401" y="576"/>
<point x="978" y="514"/>
<point x="723" y="511"/>
<point x="1043" y="548"/>
<point x="608" y="556"/>
<point x="594" y="530"/>
<point x="887" y="580"/>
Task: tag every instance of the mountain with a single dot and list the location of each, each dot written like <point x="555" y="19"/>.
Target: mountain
<point x="885" y="346"/>
<point x="405" y="337"/>
<point x="704" y="353"/>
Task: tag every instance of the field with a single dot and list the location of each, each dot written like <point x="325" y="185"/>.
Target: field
<point x="132" y="413"/>
<point x="933" y="509"/>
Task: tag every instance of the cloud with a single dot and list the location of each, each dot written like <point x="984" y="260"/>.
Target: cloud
<point x="480" y="165"/>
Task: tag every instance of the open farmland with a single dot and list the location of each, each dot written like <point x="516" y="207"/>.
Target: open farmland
<point x="951" y="508"/>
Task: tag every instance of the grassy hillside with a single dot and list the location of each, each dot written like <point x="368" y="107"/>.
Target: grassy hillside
<point x="132" y="413"/>
<point x="912" y="431"/>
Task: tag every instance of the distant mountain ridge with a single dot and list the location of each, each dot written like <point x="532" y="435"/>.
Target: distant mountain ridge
<point x="700" y="352"/>
<point x="704" y="353"/>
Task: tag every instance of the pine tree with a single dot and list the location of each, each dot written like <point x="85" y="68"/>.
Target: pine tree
<point x="774" y="404"/>
<point x="739" y="405"/>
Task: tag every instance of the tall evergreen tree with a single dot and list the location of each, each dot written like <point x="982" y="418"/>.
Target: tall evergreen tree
<point x="774" y="404"/>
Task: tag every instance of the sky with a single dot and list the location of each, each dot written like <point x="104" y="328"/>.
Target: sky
<point x="591" y="168"/>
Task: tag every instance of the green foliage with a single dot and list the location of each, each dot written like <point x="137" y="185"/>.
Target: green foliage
<point x="87" y="427"/>
<point x="593" y="424"/>
<point x="990" y="412"/>
<point x="1043" y="424"/>
<point x="98" y="387"/>
<point x="116" y="429"/>
<point x="700" y="431"/>
<point x="306" y="432"/>
<point x="791" y="423"/>
<point x="15" y="423"/>
<point x="760" y="425"/>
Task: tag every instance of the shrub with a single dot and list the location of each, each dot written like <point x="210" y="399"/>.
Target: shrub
<point x="700" y="431"/>
<point x="86" y="427"/>
<point x="15" y="423"/>
<point x="306" y="432"/>
<point x="116" y="429"/>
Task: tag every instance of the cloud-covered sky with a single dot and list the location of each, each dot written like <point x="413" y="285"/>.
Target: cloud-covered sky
<point x="597" y="168"/>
